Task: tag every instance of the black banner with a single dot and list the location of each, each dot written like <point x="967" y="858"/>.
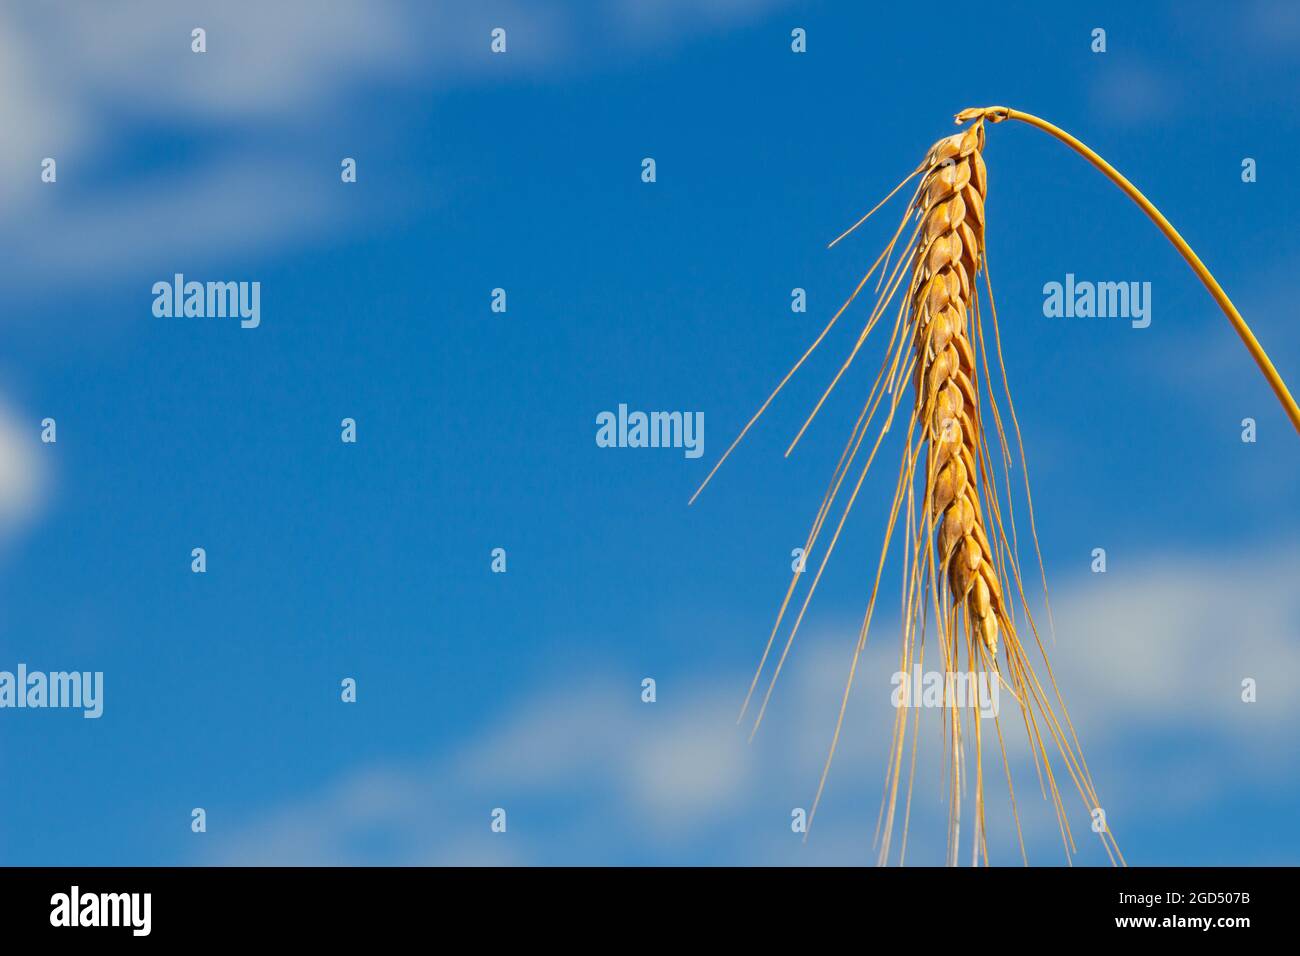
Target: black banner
<point x="334" y="905"/>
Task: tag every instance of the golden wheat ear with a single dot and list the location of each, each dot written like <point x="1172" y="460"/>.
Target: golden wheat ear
<point x="961" y="567"/>
<point x="996" y="114"/>
<point x="961" y="571"/>
<point x="958" y="561"/>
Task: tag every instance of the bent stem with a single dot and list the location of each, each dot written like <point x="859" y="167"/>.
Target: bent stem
<point x="996" y="114"/>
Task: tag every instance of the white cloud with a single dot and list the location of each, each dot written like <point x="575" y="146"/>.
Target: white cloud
<point x="157" y="226"/>
<point x="82" y="81"/>
<point x="80" y="77"/>
<point x="23" y="473"/>
<point x="261" y="59"/>
<point x="1145" y="655"/>
<point x="654" y="18"/>
<point x="1131" y="92"/>
<point x="1271" y="26"/>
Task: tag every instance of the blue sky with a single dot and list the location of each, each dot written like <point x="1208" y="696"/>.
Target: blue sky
<point x="476" y="429"/>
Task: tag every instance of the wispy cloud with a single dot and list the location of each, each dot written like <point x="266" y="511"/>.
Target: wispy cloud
<point x="85" y="83"/>
<point x="1271" y="26"/>
<point x="24" y="475"/>
<point x="1146" y="653"/>
<point x="1132" y="92"/>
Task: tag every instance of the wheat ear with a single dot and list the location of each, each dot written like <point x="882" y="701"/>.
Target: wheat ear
<point x="947" y="260"/>
<point x="960" y="545"/>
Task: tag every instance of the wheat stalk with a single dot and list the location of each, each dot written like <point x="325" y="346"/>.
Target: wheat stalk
<point x="996" y="114"/>
<point x="961" y="553"/>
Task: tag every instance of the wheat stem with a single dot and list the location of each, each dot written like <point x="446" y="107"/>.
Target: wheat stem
<point x="996" y="114"/>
